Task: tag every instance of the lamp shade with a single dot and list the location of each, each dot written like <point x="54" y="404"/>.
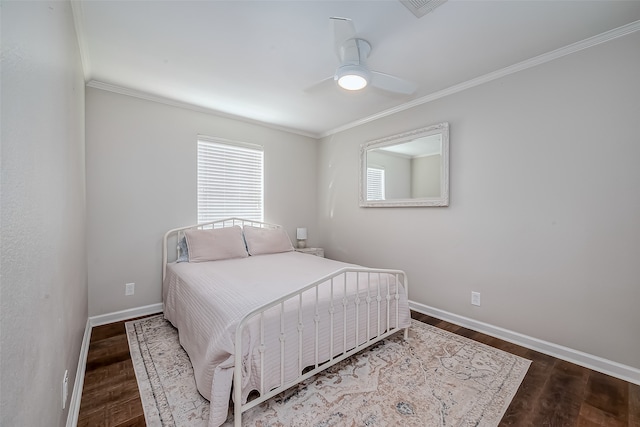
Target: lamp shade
<point x="301" y="233"/>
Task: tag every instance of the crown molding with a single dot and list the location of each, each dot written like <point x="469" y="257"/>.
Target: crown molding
<point x="174" y="103"/>
<point x="520" y="66"/>
<point x="78" y="22"/>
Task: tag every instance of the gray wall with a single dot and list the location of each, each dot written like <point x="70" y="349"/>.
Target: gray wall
<point x="141" y="182"/>
<point x="425" y="176"/>
<point x="544" y="218"/>
<point x="43" y="298"/>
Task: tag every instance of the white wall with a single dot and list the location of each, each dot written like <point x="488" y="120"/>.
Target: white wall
<point x="544" y="218"/>
<point x="141" y="182"/>
<point x="43" y="303"/>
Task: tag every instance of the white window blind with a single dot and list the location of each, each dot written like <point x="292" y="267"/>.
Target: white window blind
<point x="230" y="180"/>
<point x="375" y="184"/>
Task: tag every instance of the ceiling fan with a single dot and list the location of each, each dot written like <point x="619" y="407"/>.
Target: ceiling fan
<point x="353" y="74"/>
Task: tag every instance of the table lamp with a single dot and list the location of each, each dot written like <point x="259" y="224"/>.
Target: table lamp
<point x="301" y="235"/>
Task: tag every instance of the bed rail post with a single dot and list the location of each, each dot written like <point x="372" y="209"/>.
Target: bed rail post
<point x="237" y="379"/>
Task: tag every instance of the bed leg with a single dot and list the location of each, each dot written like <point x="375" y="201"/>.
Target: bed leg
<point x="237" y="396"/>
<point x="406" y="334"/>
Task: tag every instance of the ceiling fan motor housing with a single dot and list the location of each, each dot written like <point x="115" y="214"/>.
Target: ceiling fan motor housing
<point x="352" y="77"/>
<point x="354" y="51"/>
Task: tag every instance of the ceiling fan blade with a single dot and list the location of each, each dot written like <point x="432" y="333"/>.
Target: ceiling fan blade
<point x="321" y="85"/>
<point x="392" y="84"/>
<point x="343" y="30"/>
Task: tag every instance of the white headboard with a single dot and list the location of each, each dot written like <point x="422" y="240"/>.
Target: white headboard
<point x="172" y="237"/>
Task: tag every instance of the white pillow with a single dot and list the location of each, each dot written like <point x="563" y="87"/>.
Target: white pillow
<point x="216" y="244"/>
<point x="266" y="240"/>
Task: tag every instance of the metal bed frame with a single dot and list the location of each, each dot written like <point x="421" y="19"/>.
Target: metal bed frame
<point x="373" y="301"/>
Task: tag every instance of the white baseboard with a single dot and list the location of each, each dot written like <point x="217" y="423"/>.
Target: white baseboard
<point x="609" y="367"/>
<point x="103" y="319"/>
<point x="76" y="395"/>
<point x="118" y="316"/>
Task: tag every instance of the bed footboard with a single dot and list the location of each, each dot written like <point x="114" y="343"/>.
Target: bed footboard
<point x="352" y="309"/>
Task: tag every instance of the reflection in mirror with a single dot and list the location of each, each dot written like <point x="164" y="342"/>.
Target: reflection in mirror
<point x="408" y="169"/>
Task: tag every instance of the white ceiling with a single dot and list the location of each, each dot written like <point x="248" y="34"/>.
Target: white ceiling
<point x="257" y="59"/>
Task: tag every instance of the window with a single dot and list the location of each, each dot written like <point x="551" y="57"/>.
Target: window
<point x="375" y="183"/>
<point x="229" y="180"/>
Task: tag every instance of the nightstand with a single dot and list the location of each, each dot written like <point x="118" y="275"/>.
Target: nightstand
<point x="312" y="251"/>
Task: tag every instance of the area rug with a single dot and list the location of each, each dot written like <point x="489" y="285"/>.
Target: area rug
<point x="435" y="378"/>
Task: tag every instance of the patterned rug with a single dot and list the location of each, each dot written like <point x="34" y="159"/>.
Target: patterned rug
<point x="436" y="378"/>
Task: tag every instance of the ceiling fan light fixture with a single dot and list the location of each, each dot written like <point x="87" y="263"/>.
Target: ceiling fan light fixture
<point x="352" y="77"/>
<point x="352" y="82"/>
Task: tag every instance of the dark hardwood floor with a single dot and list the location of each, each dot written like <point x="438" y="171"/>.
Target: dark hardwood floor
<point x="110" y="395"/>
<point x="553" y="393"/>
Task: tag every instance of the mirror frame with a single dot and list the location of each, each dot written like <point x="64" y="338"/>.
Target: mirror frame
<point x="443" y="200"/>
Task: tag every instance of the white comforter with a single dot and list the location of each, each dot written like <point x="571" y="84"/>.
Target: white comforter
<point x="206" y="302"/>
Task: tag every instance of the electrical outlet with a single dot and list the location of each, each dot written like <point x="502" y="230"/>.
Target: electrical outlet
<point x="65" y="389"/>
<point x="129" y="288"/>
<point x="475" y="298"/>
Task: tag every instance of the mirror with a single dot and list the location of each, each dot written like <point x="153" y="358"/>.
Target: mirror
<point x="407" y="169"/>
